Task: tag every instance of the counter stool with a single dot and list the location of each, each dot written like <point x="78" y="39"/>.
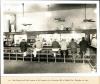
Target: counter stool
<point x="74" y="57"/>
<point x="83" y="57"/>
<point x="55" y="50"/>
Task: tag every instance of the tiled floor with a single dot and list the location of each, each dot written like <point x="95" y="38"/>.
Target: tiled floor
<point x="18" y="67"/>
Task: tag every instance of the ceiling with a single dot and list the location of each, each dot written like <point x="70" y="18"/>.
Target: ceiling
<point x="31" y="7"/>
<point x="70" y="6"/>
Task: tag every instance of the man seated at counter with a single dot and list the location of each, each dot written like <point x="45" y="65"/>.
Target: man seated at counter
<point x="23" y="46"/>
<point x="37" y="46"/>
<point x="55" y="47"/>
<point x="73" y="46"/>
<point x="64" y="46"/>
<point x="5" y="42"/>
<point x="83" y="46"/>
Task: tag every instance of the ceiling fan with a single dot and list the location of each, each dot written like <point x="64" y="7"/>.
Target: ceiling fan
<point x="25" y="24"/>
<point x="87" y="20"/>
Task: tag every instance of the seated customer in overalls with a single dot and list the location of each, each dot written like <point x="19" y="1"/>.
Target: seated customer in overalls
<point x="38" y="45"/>
<point x="73" y="46"/>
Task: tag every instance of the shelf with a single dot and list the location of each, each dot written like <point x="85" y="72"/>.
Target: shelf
<point x="50" y="32"/>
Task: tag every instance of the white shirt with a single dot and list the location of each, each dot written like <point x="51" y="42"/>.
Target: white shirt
<point x="39" y="44"/>
<point x="63" y="45"/>
<point x="94" y="42"/>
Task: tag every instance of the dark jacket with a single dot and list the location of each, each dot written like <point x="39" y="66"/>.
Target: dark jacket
<point x="55" y="44"/>
<point x="73" y="45"/>
<point x="23" y="46"/>
<point x="83" y="45"/>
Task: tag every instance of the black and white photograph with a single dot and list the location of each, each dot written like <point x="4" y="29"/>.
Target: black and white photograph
<point x="49" y="38"/>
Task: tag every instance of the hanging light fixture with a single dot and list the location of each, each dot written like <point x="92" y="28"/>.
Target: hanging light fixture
<point x="85" y="17"/>
<point x="24" y="19"/>
<point x="23" y="8"/>
<point x="47" y="13"/>
<point x="86" y="23"/>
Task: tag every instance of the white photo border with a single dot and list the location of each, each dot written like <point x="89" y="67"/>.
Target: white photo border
<point x="53" y="74"/>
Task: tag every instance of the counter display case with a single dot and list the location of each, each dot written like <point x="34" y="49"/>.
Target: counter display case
<point x="46" y="54"/>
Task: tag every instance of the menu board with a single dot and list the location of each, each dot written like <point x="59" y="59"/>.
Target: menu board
<point x="18" y="38"/>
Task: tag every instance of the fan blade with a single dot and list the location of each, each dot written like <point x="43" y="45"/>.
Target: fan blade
<point x="88" y="20"/>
